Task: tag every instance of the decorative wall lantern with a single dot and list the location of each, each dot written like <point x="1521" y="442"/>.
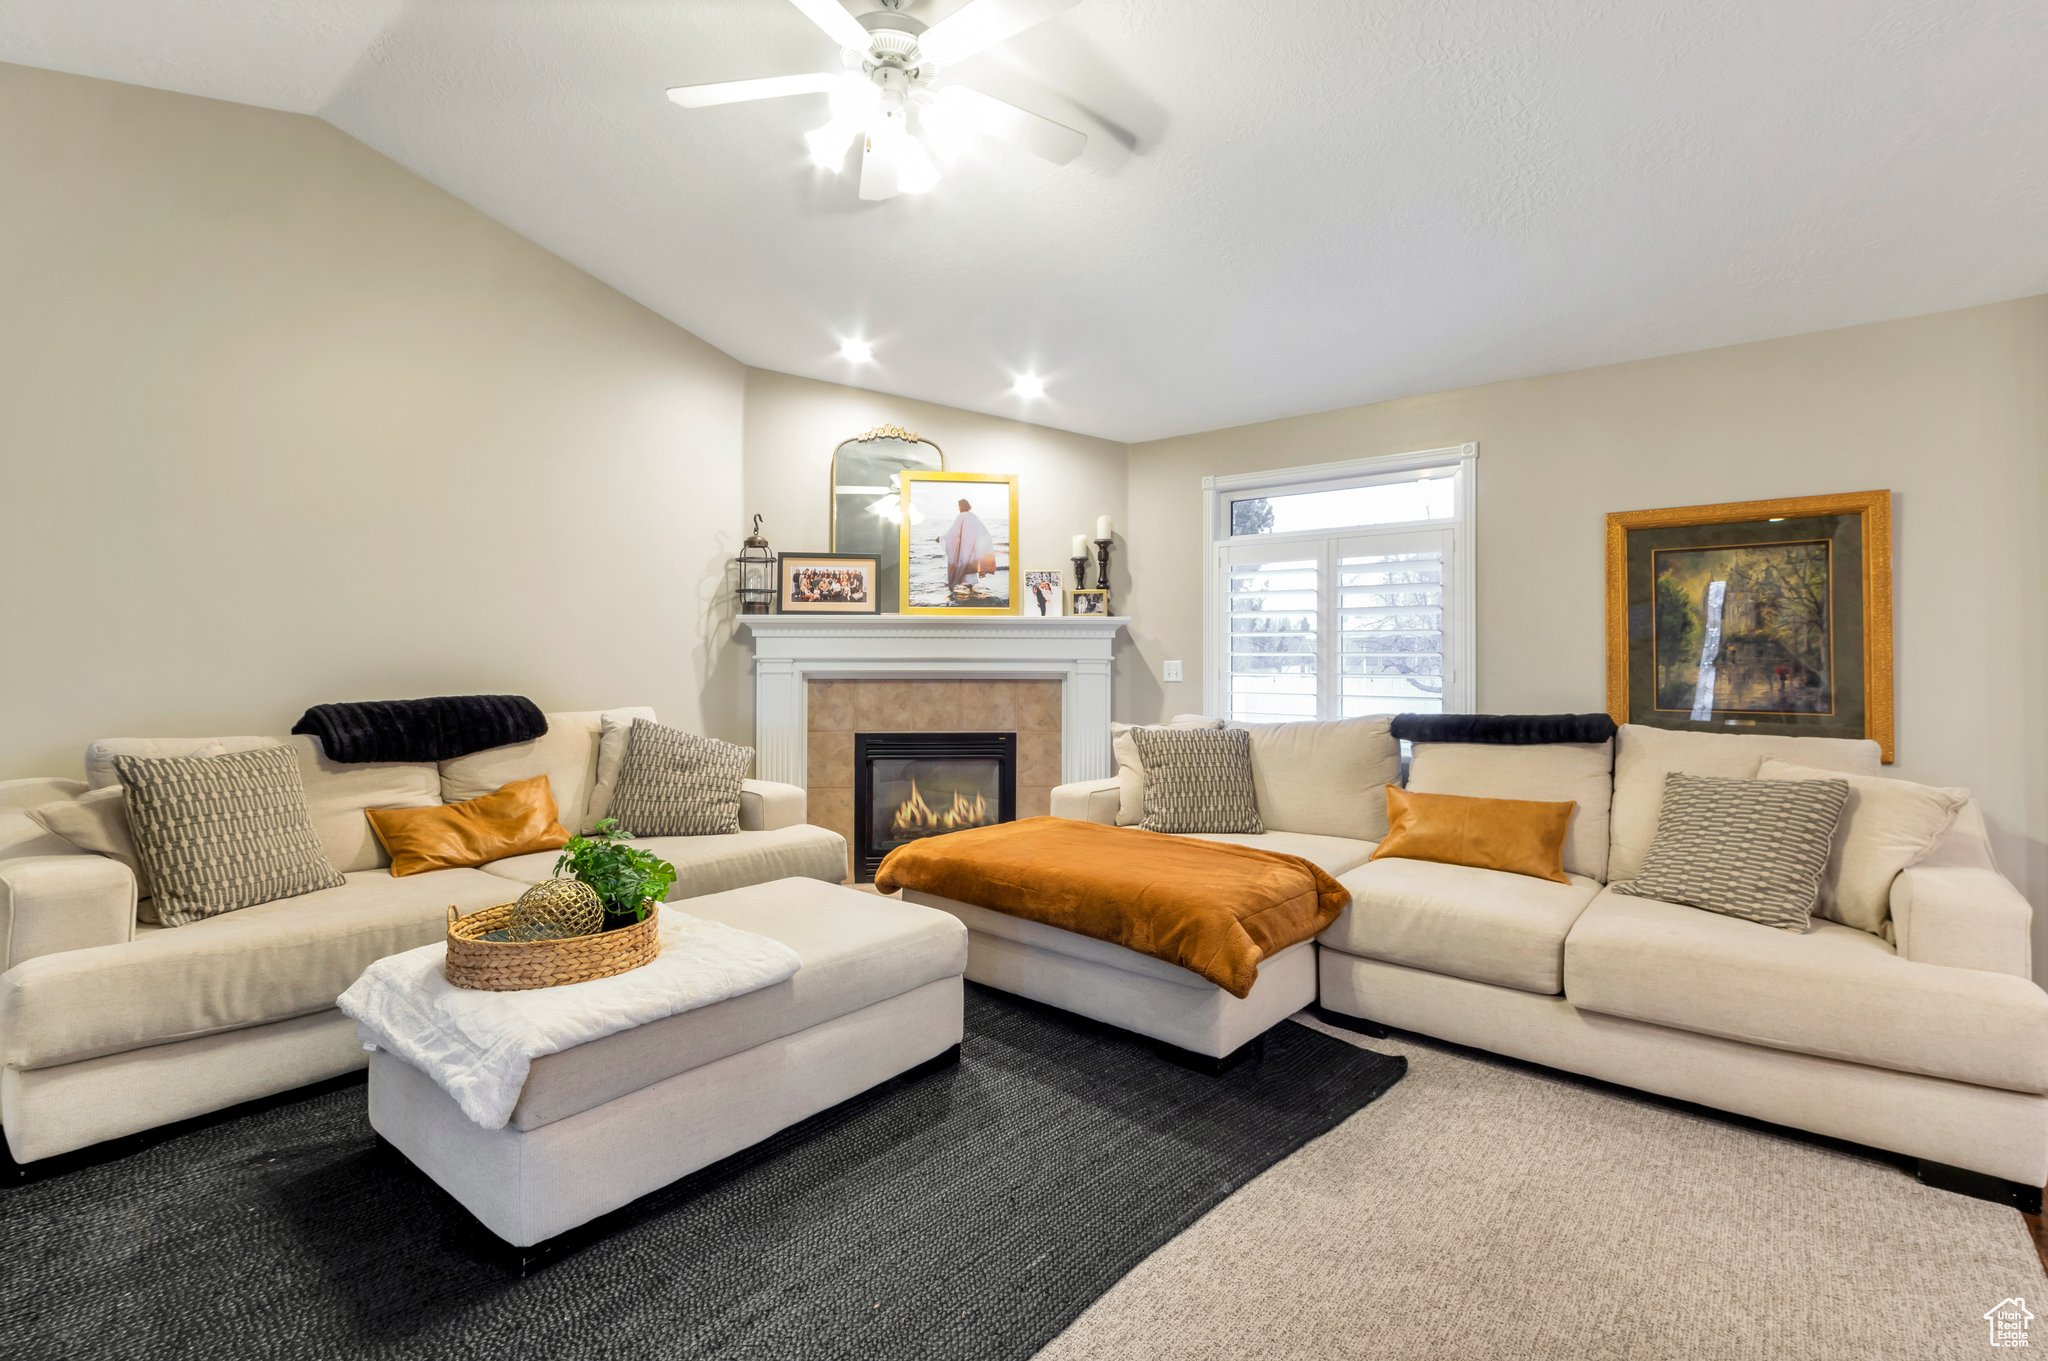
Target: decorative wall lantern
<point x="757" y="573"/>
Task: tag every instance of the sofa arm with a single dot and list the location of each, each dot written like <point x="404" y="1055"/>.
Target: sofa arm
<point x="1088" y="800"/>
<point x="50" y="903"/>
<point x="768" y="804"/>
<point x="1963" y="916"/>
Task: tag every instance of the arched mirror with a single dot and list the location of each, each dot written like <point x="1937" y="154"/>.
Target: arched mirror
<point x="866" y="497"/>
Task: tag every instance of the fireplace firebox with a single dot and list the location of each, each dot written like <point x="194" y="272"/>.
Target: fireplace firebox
<point x="908" y="785"/>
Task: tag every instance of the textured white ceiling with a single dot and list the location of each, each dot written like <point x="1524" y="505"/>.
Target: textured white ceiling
<point x="1285" y="206"/>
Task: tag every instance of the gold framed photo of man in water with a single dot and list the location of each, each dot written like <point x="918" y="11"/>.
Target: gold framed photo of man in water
<point x="957" y="543"/>
<point x="1754" y="616"/>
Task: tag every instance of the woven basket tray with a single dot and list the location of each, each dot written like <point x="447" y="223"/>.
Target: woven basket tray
<point x="511" y="966"/>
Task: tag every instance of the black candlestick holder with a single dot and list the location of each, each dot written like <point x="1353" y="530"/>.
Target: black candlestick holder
<point x="1081" y="574"/>
<point x="1102" y="547"/>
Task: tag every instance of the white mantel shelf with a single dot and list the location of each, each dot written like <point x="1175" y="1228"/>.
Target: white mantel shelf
<point x="791" y="650"/>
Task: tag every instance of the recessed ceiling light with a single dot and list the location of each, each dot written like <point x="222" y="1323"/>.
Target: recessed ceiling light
<point x="856" y="351"/>
<point x="1029" y="386"/>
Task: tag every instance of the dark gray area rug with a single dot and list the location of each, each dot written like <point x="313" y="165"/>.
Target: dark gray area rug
<point x="969" y="1211"/>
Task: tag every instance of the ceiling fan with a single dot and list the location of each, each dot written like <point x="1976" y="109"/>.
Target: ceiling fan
<point x="885" y="97"/>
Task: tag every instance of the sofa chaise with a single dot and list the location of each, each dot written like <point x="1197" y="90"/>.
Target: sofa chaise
<point x="110" y="1026"/>
<point x="1928" y="1038"/>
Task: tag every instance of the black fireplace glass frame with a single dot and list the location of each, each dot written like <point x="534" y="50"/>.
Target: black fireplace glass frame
<point x="869" y="747"/>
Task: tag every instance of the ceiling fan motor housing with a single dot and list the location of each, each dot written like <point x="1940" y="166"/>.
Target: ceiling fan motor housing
<point x="892" y="48"/>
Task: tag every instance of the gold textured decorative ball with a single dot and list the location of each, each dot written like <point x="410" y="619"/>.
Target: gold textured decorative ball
<point x="555" y="909"/>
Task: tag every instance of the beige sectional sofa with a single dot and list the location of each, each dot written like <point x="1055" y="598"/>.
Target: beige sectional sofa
<point x="110" y="1025"/>
<point x="1928" y="1039"/>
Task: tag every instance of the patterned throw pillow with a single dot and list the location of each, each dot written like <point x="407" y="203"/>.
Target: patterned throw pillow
<point x="1754" y="849"/>
<point x="1198" y="781"/>
<point x="222" y="832"/>
<point x="675" y="783"/>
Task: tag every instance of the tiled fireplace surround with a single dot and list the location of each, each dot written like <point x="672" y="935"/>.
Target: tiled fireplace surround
<point x="840" y="708"/>
<point x="820" y="680"/>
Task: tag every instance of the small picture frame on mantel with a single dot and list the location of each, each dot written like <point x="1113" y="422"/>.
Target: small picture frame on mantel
<point x="828" y="583"/>
<point x="1094" y="600"/>
<point x="1045" y="594"/>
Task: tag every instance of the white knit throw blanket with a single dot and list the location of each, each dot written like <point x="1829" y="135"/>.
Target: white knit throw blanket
<point x="479" y="1046"/>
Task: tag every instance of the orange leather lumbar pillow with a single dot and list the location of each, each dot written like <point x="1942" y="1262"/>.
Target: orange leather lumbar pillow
<point x="510" y="821"/>
<point x="1515" y="835"/>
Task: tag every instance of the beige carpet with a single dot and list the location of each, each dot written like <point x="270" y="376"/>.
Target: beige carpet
<point x="1482" y="1210"/>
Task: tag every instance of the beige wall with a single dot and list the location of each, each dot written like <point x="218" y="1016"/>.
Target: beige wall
<point x="793" y="425"/>
<point x="282" y="423"/>
<point x="1949" y="411"/>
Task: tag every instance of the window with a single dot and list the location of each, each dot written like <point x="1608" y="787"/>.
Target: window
<point x="1342" y="591"/>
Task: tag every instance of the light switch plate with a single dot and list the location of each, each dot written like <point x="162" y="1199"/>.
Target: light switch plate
<point x="1171" y="671"/>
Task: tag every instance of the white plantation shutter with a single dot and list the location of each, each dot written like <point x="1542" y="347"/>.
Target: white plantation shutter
<point x="1390" y="618"/>
<point x="1364" y="619"/>
<point x="1275" y="627"/>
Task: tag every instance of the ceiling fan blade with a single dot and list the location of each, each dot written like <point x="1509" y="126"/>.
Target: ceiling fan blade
<point x="983" y="23"/>
<point x="1056" y="142"/>
<point x="878" y="167"/>
<point x="740" y="91"/>
<point x="839" y="26"/>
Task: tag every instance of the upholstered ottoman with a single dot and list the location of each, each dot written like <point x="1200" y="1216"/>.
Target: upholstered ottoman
<point x="596" y="1126"/>
<point x="1123" y="988"/>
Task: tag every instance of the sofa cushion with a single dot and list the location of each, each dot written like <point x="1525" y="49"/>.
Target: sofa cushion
<point x="96" y="821"/>
<point x="1331" y="854"/>
<point x="676" y="783"/>
<point x="857" y="949"/>
<point x="1644" y="756"/>
<point x="713" y="864"/>
<point x="1515" y="836"/>
<point x="1325" y="777"/>
<point x="516" y="820"/>
<point x="1553" y="772"/>
<point x="265" y="963"/>
<point x="336" y="794"/>
<point x="1888" y="826"/>
<point x="1130" y="767"/>
<point x="220" y="833"/>
<point x="567" y="754"/>
<point x="1754" y="849"/>
<point x="1197" y="781"/>
<point x="101" y="752"/>
<point x="1490" y="927"/>
<point x="1832" y="991"/>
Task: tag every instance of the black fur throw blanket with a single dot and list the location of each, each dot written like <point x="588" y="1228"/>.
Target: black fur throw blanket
<point x="421" y="729"/>
<point x="1508" y="730"/>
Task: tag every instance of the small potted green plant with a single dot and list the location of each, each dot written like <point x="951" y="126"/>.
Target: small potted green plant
<point x="626" y="879"/>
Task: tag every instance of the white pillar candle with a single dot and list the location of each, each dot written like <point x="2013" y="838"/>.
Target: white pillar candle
<point x="1080" y="546"/>
<point x="1102" y="527"/>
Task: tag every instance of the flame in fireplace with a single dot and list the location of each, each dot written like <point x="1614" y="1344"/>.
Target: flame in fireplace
<point x="915" y="817"/>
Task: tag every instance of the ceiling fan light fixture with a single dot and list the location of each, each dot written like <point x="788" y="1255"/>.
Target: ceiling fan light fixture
<point x="915" y="173"/>
<point x="946" y="134"/>
<point x="889" y="57"/>
<point x="828" y="144"/>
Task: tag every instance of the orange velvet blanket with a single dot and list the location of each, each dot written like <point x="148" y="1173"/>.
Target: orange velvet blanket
<point x="1207" y="906"/>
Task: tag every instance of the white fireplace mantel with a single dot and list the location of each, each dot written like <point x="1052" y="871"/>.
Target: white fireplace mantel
<point x="791" y="650"/>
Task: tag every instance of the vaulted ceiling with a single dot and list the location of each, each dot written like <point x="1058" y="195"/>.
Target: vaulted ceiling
<point x="1284" y="206"/>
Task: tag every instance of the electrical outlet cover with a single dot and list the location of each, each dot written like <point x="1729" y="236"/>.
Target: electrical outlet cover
<point x="1172" y="671"/>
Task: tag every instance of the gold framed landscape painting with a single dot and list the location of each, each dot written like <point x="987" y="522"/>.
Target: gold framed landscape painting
<point x="955" y="543"/>
<point x="1754" y="616"/>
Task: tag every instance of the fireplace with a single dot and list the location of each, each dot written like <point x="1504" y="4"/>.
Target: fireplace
<point x="908" y="785"/>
